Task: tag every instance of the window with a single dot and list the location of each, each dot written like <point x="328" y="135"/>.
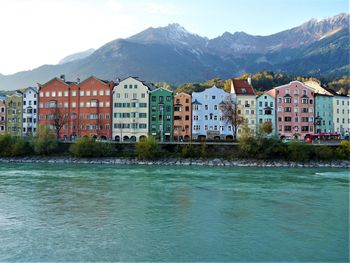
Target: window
<point x="196" y="117"/>
<point x="81" y="104"/>
<point x="154" y="98"/>
<point x="288" y="100"/>
<point x="101" y="92"/>
<point x="213" y="97"/>
<point x="304" y="100"/>
<point x="66" y="93"/>
<point x="206" y="107"/>
<point x="143" y="95"/>
<point x="287" y="119"/>
<point x="81" y="93"/>
<point x="279" y="109"/>
<point x="47" y="94"/>
<point x="53" y="94"/>
<point x="287" y="91"/>
<point x="304" y="91"/>
<point x="74" y="93"/>
<point x="41" y="94"/>
<point x="304" y="110"/>
<point x="260" y="104"/>
<point x="304" y="128"/>
<point x="168" y="98"/>
<point x="108" y="92"/>
<point x="287" y="109"/>
<point x="304" y="119"/>
<point x="125" y="86"/>
<point x="126" y="95"/>
<point x="88" y="93"/>
<point x="94" y="93"/>
<point x="279" y="100"/>
<point x="215" y="107"/>
<point x="287" y="128"/>
<point x="74" y="104"/>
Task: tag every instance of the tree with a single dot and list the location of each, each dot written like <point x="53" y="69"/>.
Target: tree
<point x="58" y="118"/>
<point x="266" y="127"/>
<point x="231" y="114"/>
<point x="44" y="142"/>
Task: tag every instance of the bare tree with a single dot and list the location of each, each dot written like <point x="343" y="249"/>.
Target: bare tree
<point x="58" y="118"/>
<point x="231" y="114"/>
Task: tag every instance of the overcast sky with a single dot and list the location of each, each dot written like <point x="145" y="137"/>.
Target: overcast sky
<point x="37" y="32"/>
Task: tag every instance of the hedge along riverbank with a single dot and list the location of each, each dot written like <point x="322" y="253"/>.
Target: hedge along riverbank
<point x="258" y="148"/>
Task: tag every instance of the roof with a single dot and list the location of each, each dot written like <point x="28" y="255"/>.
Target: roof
<point x="196" y="102"/>
<point x="32" y="88"/>
<point x="161" y="89"/>
<point x="242" y="87"/>
<point x="317" y="88"/>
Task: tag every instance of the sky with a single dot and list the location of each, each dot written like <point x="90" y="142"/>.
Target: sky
<point x="38" y="32"/>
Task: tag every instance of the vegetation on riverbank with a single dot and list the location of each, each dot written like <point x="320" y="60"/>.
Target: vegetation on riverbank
<point x="250" y="146"/>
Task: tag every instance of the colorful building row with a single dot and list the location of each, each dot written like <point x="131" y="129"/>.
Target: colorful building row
<point x="133" y="109"/>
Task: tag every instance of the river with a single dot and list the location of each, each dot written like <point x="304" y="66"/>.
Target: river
<point x="51" y="212"/>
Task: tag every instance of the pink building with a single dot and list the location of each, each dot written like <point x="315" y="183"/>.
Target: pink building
<point x="295" y="110"/>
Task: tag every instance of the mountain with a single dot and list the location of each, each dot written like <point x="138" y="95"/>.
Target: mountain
<point x="76" y="56"/>
<point x="174" y="55"/>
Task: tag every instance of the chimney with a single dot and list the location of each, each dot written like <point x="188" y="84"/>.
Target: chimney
<point x="249" y="79"/>
<point x="63" y="77"/>
<point x="78" y="80"/>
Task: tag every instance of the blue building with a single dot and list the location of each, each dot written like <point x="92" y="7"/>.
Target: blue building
<point x="207" y="121"/>
<point x="323" y="113"/>
<point x="266" y="110"/>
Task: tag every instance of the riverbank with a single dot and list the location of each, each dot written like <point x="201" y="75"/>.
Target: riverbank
<point x="177" y="161"/>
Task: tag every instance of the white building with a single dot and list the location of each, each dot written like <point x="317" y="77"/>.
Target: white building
<point x="30" y="107"/>
<point x="130" y="110"/>
<point x="341" y="114"/>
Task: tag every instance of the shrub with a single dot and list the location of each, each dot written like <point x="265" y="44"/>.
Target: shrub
<point x="148" y="148"/>
<point x="13" y="146"/>
<point x="88" y="147"/>
<point x="343" y="150"/>
<point x="188" y="151"/>
<point x="298" y="151"/>
<point x="6" y="143"/>
<point x="324" y="152"/>
<point x="44" y="142"/>
<point x="204" y="151"/>
<point x="20" y="147"/>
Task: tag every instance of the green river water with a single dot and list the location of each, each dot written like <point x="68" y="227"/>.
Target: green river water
<point x="160" y="213"/>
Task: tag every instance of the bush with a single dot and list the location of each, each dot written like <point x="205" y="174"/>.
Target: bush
<point x="13" y="146"/>
<point x="204" y="151"/>
<point x="148" y="148"/>
<point x="88" y="147"/>
<point x="343" y="150"/>
<point x="188" y="151"/>
<point x="6" y="143"/>
<point x="44" y="142"/>
<point x="20" y="147"/>
<point x="324" y="152"/>
<point x="298" y="151"/>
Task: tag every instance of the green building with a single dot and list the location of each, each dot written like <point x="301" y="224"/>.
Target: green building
<point x="161" y="114"/>
<point x="14" y="106"/>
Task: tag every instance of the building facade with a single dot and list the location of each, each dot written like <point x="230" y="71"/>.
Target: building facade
<point x="182" y="117"/>
<point x="55" y="99"/>
<point x="266" y="111"/>
<point x="14" y="106"/>
<point x="2" y="115"/>
<point x="30" y="107"/>
<point x="161" y="114"/>
<point x="341" y="114"/>
<point x="130" y="110"/>
<point x="323" y="107"/>
<point x="295" y="110"/>
<point x="323" y="113"/>
<point x="207" y="121"/>
<point x="244" y="94"/>
<point x="80" y="108"/>
<point x="94" y="109"/>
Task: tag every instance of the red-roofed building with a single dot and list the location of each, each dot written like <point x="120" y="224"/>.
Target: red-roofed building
<point x="81" y="108"/>
<point x="244" y="93"/>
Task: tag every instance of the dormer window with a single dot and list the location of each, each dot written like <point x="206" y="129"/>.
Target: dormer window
<point x="244" y="90"/>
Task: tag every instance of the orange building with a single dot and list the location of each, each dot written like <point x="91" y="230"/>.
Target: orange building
<point x="95" y="108"/>
<point x="74" y="109"/>
<point x="182" y="117"/>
